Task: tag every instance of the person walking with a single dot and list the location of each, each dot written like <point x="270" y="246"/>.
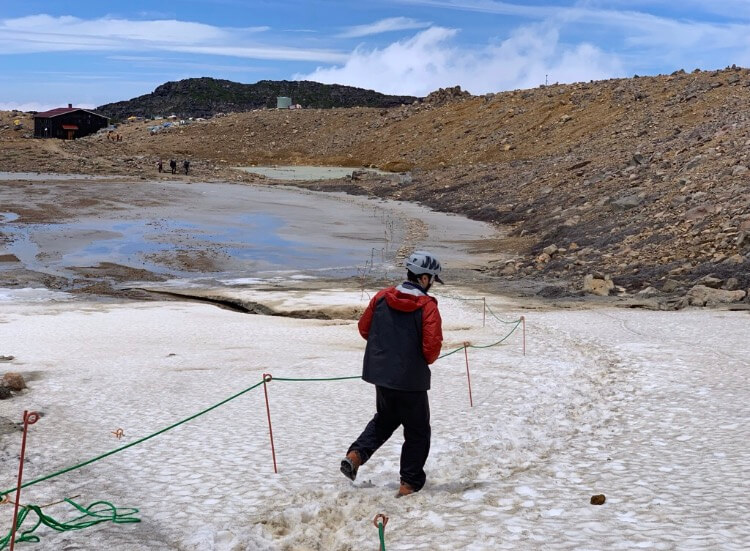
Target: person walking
<point x="403" y="329"/>
<point x="186" y="165"/>
<point x="173" y="166"/>
<point x="160" y="166"/>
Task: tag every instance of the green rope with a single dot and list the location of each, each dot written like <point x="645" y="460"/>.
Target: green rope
<point x="465" y="299"/>
<point x="518" y="322"/>
<point x="112" y="452"/>
<point x="237" y="395"/>
<point x="499" y="319"/>
<point x="318" y="379"/>
<point x="381" y="534"/>
<point x="106" y="513"/>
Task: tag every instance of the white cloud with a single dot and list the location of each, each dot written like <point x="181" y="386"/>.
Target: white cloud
<point x="650" y="39"/>
<point x="430" y="60"/>
<point x="26" y="106"/>
<point x="45" y="33"/>
<point x="384" y="26"/>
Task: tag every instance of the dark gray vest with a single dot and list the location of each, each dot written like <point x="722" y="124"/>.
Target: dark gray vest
<point x="393" y="356"/>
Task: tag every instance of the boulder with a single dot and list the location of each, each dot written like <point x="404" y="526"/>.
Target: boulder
<point x="509" y="269"/>
<point x="734" y="259"/>
<point x="629" y="202"/>
<point x="596" y="286"/>
<point x="699" y="212"/>
<point x="710" y="281"/>
<point x="550" y="250"/>
<point x="670" y="286"/>
<point x="700" y="295"/>
<point x="543" y="258"/>
<point x="731" y="284"/>
<point x="648" y="292"/>
<point x="13" y="381"/>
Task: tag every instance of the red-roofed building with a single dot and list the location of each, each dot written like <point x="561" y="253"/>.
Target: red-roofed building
<point x="68" y="123"/>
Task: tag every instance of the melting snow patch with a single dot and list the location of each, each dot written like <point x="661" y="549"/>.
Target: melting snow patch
<point x="32" y="295"/>
<point x="473" y="495"/>
<point x="526" y="491"/>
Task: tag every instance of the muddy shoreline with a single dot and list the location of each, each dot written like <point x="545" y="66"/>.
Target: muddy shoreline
<point x="473" y="252"/>
<point x="62" y="218"/>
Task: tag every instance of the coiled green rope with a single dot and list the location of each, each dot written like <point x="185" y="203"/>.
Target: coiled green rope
<point x="96" y="513"/>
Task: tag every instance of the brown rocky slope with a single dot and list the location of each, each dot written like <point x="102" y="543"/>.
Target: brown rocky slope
<point x="643" y="180"/>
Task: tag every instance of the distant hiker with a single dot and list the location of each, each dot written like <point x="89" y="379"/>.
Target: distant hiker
<point x="186" y="165"/>
<point x="160" y="166"/>
<point x="403" y="329"/>
<point x="173" y="166"/>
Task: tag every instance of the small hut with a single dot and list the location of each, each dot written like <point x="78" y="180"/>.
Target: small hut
<point x="68" y="123"/>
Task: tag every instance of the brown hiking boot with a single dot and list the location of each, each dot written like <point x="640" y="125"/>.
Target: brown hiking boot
<point x="350" y="464"/>
<point x="405" y="489"/>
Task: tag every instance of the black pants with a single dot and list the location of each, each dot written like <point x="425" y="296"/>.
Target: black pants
<point x="394" y="408"/>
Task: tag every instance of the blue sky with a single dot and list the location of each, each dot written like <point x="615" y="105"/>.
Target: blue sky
<point x="91" y="52"/>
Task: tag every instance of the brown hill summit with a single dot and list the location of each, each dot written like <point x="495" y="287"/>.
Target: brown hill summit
<point x="642" y="180"/>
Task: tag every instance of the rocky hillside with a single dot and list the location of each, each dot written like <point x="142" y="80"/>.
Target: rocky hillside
<point x="641" y="184"/>
<point x="205" y="97"/>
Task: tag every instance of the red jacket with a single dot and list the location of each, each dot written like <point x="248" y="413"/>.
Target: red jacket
<point x="403" y="329"/>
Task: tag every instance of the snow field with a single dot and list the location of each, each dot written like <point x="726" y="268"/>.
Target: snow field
<point x="648" y="408"/>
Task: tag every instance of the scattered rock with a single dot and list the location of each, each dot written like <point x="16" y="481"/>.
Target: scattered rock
<point x="596" y="286"/>
<point x="648" y="292"/>
<point x="670" y="286"/>
<point x="710" y="281"/>
<point x="509" y="269"/>
<point x="550" y="250"/>
<point x="543" y="258"/>
<point x="13" y="381"/>
<point x="699" y="212"/>
<point x="598" y="499"/>
<point x="629" y="202"/>
<point x="731" y="284"/>
<point x="6" y="358"/>
<point x="700" y="295"/>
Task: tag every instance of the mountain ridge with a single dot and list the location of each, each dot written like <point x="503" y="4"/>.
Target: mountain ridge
<point x="206" y="97"/>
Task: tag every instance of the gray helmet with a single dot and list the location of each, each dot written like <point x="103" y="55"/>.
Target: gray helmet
<point x="422" y="262"/>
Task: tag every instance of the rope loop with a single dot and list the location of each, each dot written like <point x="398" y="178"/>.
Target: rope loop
<point x="382" y="517"/>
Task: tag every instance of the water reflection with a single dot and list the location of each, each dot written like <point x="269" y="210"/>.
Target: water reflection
<point x="244" y="240"/>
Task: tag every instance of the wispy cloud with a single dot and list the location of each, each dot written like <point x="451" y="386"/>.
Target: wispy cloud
<point x="45" y="33"/>
<point x="654" y="38"/>
<point x="431" y="59"/>
<point x="383" y="26"/>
